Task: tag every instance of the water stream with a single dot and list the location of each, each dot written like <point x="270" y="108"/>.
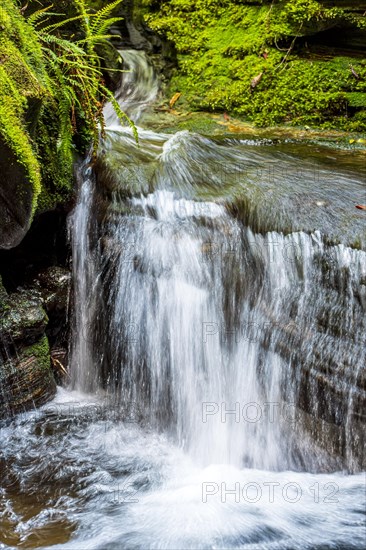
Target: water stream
<point x="216" y="297"/>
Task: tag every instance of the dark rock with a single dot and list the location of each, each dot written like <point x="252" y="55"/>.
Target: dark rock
<point x="34" y="326"/>
<point x="111" y="63"/>
<point x="16" y="196"/>
<point x="54" y="288"/>
<point x="26" y="381"/>
<point x="46" y="244"/>
<point x="26" y="377"/>
<point x="3" y="294"/>
<point x="59" y="360"/>
<point x="23" y="319"/>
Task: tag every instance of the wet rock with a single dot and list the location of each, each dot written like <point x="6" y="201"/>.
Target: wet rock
<point x="23" y="318"/>
<point x="26" y="380"/>
<point x="59" y="361"/>
<point x="111" y="63"/>
<point x="16" y="195"/>
<point x="54" y="288"/>
<point x="3" y="294"/>
<point x="26" y="376"/>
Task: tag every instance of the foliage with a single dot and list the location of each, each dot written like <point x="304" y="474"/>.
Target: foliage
<point x="75" y="74"/>
<point x="222" y="45"/>
<point x="22" y="77"/>
<point x="52" y="88"/>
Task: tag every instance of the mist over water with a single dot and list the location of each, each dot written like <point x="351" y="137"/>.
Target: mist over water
<point x="198" y="331"/>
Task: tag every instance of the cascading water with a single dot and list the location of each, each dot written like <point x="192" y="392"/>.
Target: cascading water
<point x="206" y="344"/>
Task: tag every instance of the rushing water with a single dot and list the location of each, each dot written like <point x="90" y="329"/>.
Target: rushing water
<point x="201" y="330"/>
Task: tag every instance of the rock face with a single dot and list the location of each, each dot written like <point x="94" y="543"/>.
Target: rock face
<point x="26" y="381"/>
<point x="26" y="377"/>
<point x="55" y="284"/>
<point x="15" y="199"/>
<point x="33" y="341"/>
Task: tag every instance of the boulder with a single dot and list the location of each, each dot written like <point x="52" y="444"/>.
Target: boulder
<point x="26" y="376"/>
<point x="26" y="380"/>
<point x="16" y="195"/>
<point x="23" y="320"/>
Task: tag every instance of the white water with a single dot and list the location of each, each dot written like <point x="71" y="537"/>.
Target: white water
<point x="189" y="331"/>
<point x="139" y="88"/>
<point x="122" y="486"/>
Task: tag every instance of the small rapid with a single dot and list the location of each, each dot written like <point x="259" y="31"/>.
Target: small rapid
<point x="218" y="354"/>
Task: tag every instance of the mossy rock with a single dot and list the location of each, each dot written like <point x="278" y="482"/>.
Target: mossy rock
<point x="23" y="92"/>
<point x="23" y="320"/>
<point x="26" y="377"/>
<point x="270" y="63"/>
<point x="27" y="381"/>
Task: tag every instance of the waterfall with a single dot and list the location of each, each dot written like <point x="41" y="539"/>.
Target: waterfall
<point x="201" y="325"/>
<point x="217" y="395"/>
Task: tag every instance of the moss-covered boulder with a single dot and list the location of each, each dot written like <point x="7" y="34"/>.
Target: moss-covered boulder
<point x="300" y="62"/>
<point x="26" y="380"/>
<point x="26" y="376"/>
<point x="26" y="136"/>
<point x="54" y="69"/>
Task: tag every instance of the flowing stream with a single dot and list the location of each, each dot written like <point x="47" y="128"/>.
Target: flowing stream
<point x="218" y="354"/>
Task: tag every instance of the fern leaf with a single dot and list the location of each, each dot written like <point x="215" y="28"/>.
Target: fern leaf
<point x="101" y="15"/>
<point x="121" y="114"/>
<point x="106" y="25"/>
<point x="38" y="15"/>
<point x="64" y="22"/>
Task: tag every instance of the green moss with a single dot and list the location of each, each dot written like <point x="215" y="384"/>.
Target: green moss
<point x="18" y="83"/>
<point x="51" y="91"/>
<point x="24" y="98"/>
<point x="223" y="45"/>
<point x="41" y="351"/>
<point x="200" y="124"/>
<point x="56" y="170"/>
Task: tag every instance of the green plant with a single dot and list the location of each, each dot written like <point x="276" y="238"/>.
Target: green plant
<point x="52" y="90"/>
<point x="223" y="45"/>
<point x="22" y="78"/>
<point x="75" y="77"/>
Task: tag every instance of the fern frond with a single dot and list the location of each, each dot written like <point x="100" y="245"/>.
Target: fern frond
<point x="62" y="42"/>
<point x="86" y="22"/>
<point x="97" y="39"/>
<point x="106" y="25"/>
<point x="102" y="14"/>
<point x="75" y="76"/>
<point x="64" y="22"/>
<point x="121" y="114"/>
<point x="37" y="15"/>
